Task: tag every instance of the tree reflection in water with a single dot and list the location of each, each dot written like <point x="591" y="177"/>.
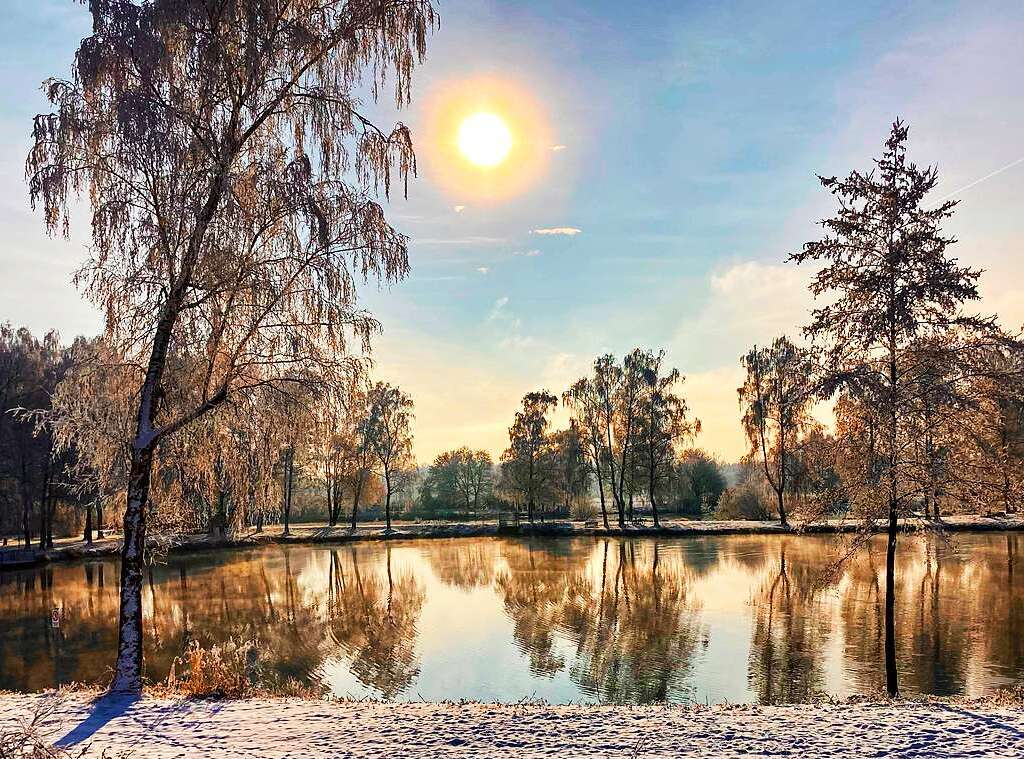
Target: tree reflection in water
<point x="610" y="619"/>
<point x="463" y="564"/>
<point x="790" y="631"/>
<point x="633" y="627"/>
<point x="373" y="620"/>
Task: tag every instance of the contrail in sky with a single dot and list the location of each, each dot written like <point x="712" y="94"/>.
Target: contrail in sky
<point x="982" y="179"/>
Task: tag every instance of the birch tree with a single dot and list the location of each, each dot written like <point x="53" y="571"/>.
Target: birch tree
<point x="389" y="439"/>
<point x="663" y="426"/>
<point x="230" y="174"/>
<point x="776" y="397"/>
<point x="524" y="459"/>
<point x="584" y="401"/>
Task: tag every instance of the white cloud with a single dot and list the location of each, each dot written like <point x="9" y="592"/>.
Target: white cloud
<point x="567" y="231"/>
<point x="497" y="308"/>
<point x="749" y="302"/>
<point x="483" y="269"/>
<point x="459" y="209"/>
<point x="533" y="253"/>
<point x="557" y="148"/>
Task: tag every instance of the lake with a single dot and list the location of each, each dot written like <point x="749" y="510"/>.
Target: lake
<point x="710" y="619"/>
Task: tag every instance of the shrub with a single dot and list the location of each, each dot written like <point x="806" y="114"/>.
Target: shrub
<point x="744" y="501"/>
<point x="582" y="509"/>
<point x="217" y="672"/>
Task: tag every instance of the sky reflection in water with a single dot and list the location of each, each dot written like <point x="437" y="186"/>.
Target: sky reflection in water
<point x="710" y="619"/>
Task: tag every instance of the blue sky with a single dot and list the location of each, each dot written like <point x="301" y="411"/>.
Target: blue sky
<point x="692" y="134"/>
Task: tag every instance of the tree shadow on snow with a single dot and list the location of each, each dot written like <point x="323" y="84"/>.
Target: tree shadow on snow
<point x="988" y="721"/>
<point x="105" y="708"/>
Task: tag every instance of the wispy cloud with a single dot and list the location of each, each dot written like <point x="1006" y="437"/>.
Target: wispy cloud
<point x="533" y="253"/>
<point x="459" y="209"/>
<point x="557" y="148"/>
<point x="567" y="231"/>
<point x="497" y="308"/>
<point x="483" y="269"/>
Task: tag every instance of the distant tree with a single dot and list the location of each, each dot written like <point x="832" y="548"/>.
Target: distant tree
<point x="524" y="460"/>
<point x="259" y="430"/>
<point x="814" y="474"/>
<point x="890" y="283"/>
<point x="613" y="410"/>
<point x="287" y="485"/>
<point x="459" y="478"/>
<point x="32" y="474"/>
<point x="214" y="142"/>
<point x="584" y="401"/>
<point x="745" y="501"/>
<point x="441" y="485"/>
<point x="607" y="381"/>
<point x="944" y="398"/>
<point x="327" y="448"/>
<point x="389" y="437"/>
<point x="699" y="483"/>
<point x="357" y="455"/>
<point x="474" y="477"/>
<point x="993" y="436"/>
<point x="662" y="428"/>
<point x="338" y="446"/>
<point x="628" y="399"/>
<point x="569" y="465"/>
<point x="776" y="396"/>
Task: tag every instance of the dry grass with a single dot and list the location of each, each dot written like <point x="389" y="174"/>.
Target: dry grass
<point x="219" y="672"/>
<point x="229" y="671"/>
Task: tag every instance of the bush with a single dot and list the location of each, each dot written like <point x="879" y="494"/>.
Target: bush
<point x="697" y="484"/>
<point x="230" y="670"/>
<point x="744" y="501"/>
<point x="218" y="672"/>
<point x="583" y="509"/>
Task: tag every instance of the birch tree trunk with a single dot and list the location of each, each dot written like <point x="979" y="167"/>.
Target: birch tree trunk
<point x="128" y="669"/>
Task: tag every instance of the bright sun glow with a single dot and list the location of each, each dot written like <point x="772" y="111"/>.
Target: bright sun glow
<point x="484" y="139"/>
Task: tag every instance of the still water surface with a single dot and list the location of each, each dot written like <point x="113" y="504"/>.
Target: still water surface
<point x="635" y="620"/>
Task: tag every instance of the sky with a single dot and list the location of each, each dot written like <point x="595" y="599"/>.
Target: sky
<point x="674" y="149"/>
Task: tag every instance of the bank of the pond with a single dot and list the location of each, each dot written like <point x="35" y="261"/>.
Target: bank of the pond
<point x="72" y="549"/>
<point x="161" y="728"/>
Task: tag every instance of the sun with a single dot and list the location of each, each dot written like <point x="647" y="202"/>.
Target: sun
<point x="484" y="139"/>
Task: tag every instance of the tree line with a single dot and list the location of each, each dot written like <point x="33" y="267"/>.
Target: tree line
<point x="340" y="453"/>
<point x="232" y="180"/>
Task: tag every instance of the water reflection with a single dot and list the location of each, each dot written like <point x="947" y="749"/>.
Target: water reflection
<point x="790" y="632"/>
<point x="372" y="620"/>
<point x="723" y="618"/>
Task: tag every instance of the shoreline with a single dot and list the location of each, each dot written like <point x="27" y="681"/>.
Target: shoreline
<point x="74" y="549"/>
<point x="163" y="727"/>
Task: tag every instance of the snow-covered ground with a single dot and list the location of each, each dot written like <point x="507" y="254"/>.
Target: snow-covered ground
<point x="160" y="727"/>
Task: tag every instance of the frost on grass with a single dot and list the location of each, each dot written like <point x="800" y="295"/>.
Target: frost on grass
<point x="262" y="727"/>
